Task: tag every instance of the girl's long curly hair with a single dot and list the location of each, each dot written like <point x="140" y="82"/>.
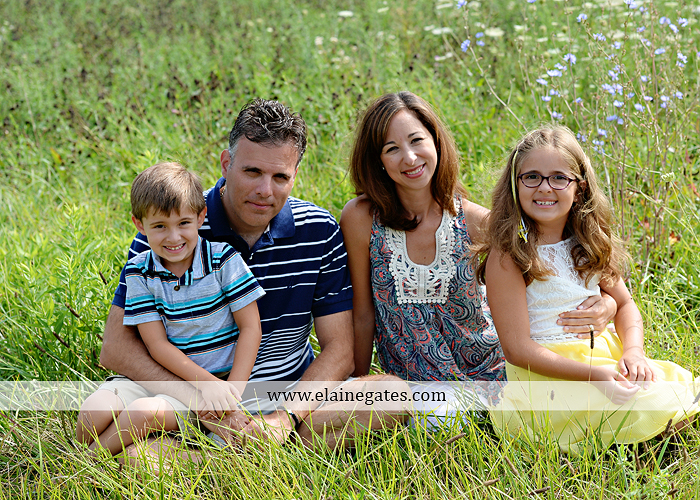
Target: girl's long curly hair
<point x="597" y="250"/>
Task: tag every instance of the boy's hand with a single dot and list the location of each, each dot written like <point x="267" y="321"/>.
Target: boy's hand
<point x="613" y="384"/>
<point x="634" y="366"/>
<point x="219" y="398"/>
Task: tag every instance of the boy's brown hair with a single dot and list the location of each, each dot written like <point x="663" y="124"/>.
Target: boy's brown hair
<point x="166" y="187"/>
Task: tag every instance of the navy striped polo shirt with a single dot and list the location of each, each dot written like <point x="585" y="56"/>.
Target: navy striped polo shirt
<point x="299" y="261"/>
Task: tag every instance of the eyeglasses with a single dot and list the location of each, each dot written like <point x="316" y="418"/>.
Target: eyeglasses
<point x="557" y="181"/>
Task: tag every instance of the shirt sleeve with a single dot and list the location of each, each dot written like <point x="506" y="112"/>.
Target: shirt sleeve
<point x="333" y="291"/>
<point x="237" y="281"/>
<point x="138" y="245"/>
<point x="140" y="304"/>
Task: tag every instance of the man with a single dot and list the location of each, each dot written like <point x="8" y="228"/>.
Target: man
<point x="295" y="251"/>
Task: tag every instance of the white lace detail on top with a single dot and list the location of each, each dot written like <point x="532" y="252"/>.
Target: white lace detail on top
<point x="415" y="283"/>
<point x="562" y="292"/>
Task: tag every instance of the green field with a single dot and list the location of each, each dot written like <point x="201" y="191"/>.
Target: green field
<point x="91" y="93"/>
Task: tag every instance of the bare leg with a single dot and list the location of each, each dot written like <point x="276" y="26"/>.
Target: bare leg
<point x="137" y="420"/>
<point x="157" y="452"/>
<point x="335" y="425"/>
<point x="97" y="413"/>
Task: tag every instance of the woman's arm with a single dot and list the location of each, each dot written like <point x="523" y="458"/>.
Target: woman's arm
<point x="630" y="329"/>
<point x="356" y="224"/>
<point x="250" y="334"/>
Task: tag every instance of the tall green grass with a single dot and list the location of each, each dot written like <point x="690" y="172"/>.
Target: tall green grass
<point x="94" y="92"/>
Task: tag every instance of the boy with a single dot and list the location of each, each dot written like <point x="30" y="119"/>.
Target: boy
<point x="194" y="304"/>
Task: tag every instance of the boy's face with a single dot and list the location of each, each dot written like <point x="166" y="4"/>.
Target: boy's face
<point x="172" y="237"/>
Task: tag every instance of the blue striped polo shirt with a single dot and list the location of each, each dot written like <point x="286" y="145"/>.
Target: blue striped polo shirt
<point x="196" y="308"/>
<point x="300" y="262"/>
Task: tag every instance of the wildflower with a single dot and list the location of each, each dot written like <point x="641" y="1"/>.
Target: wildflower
<point x="638" y="106"/>
<point x="608" y="88"/>
<point x="682" y="21"/>
<point x="345" y="13"/>
<point x="679" y="95"/>
<point x="629" y="2"/>
<point x="599" y="36"/>
<point x="620" y="121"/>
<point x="642" y="10"/>
<point x="648" y="98"/>
<point x="578" y="100"/>
<point x="556" y="116"/>
<point x="602" y="132"/>
<point x="613" y="75"/>
<point x="640" y="29"/>
<point x="541" y="81"/>
<point x="581" y="17"/>
<point x="663" y="105"/>
<point x="553" y="72"/>
<point x="659" y="51"/>
<point x="480" y="43"/>
<point x="461" y="3"/>
<point x="680" y="64"/>
<point x="616" y="45"/>
<point x="597" y="142"/>
<point x="570" y="58"/>
<point x="664" y="98"/>
<point x="611" y="118"/>
<point x="465" y="45"/>
<point x="560" y="66"/>
<point x="646" y="42"/>
<point x="673" y="28"/>
<point x="480" y="34"/>
<point x="531" y="1"/>
<point x="682" y="58"/>
<point x="664" y="20"/>
<point x="546" y="98"/>
<point x="553" y="92"/>
<point x="630" y="95"/>
<point x="618" y="104"/>
<point x="644" y="78"/>
<point x="581" y="137"/>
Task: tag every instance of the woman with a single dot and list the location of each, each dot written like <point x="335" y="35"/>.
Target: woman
<point x="408" y="237"/>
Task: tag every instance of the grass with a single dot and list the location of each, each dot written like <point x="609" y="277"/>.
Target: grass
<point x="93" y="93"/>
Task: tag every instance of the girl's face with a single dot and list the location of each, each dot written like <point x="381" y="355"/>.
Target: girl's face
<point x="408" y="154"/>
<point x="548" y="207"/>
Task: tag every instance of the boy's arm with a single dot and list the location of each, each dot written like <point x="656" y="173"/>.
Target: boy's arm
<point x="249" y="337"/>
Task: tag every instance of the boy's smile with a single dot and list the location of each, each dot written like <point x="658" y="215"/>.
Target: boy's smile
<point x="172" y="237"/>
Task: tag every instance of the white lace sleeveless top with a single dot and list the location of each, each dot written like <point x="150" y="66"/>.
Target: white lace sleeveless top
<point x="559" y="293"/>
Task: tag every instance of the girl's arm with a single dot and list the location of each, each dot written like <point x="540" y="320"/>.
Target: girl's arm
<point x="218" y="399"/>
<point x="356" y="224"/>
<point x="250" y="334"/>
<point x="630" y="329"/>
<point x="505" y="289"/>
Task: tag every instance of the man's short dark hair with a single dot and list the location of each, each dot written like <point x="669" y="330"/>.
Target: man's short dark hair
<point x="268" y="122"/>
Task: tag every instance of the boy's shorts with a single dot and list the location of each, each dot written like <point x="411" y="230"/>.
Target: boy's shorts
<point x="129" y="391"/>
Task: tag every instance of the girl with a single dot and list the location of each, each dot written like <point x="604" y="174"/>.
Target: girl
<point x="549" y="246"/>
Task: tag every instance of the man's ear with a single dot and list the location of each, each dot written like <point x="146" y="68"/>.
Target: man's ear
<point x="138" y="224"/>
<point x="225" y="160"/>
<point x="200" y="217"/>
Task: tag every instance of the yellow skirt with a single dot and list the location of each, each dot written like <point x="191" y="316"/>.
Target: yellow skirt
<point x="578" y="413"/>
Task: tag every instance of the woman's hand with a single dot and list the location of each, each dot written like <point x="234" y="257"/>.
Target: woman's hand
<point x="633" y="365"/>
<point x="597" y="311"/>
<point x="613" y="384"/>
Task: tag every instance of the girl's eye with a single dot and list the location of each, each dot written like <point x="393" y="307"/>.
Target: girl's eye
<point x="560" y="178"/>
<point x="531" y="177"/>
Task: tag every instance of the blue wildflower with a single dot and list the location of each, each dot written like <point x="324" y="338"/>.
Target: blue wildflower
<point x="638" y="107"/>
<point x="461" y="3"/>
<point x="683" y="22"/>
<point x="480" y="43"/>
<point x="618" y="104"/>
<point x="673" y="28"/>
<point x="648" y="98"/>
<point x="578" y="100"/>
<point x="611" y="118"/>
<point x="608" y="88"/>
<point x="613" y="76"/>
<point x="560" y="66"/>
<point x="644" y="78"/>
<point x="570" y="58"/>
<point x="646" y="42"/>
<point x="659" y="51"/>
<point x="553" y="92"/>
<point x="664" y="20"/>
<point x="531" y="1"/>
<point x="618" y="88"/>
<point x="556" y="116"/>
<point x="581" y="17"/>
<point x="541" y="81"/>
<point x="553" y="72"/>
<point x="630" y="95"/>
<point x="682" y="58"/>
<point x="546" y="98"/>
<point x="631" y="4"/>
<point x="480" y="34"/>
<point x="640" y="29"/>
<point x="616" y="45"/>
<point x="602" y="132"/>
<point x="620" y="121"/>
<point x="679" y="95"/>
<point x="599" y="36"/>
<point x="465" y="45"/>
<point x="581" y="137"/>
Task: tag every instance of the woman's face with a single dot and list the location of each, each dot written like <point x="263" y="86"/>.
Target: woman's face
<point x="408" y="154"/>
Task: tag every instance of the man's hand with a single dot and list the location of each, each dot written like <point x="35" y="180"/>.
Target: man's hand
<point x="597" y="311"/>
<point x="275" y="426"/>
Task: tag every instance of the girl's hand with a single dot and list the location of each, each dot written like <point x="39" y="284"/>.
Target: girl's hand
<point x="634" y="366"/>
<point x="219" y="398"/>
<point x="613" y="384"/>
<point x="596" y="310"/>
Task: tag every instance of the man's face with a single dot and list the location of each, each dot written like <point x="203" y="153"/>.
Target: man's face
<point x="259" y="179"/>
